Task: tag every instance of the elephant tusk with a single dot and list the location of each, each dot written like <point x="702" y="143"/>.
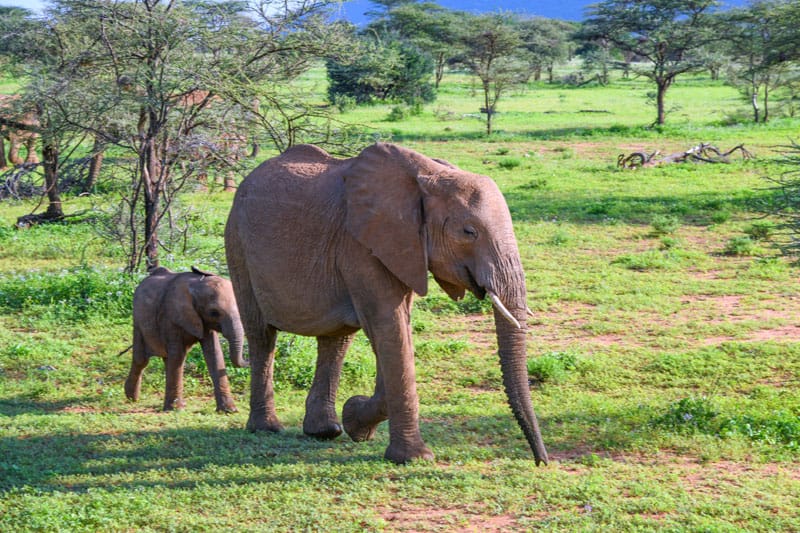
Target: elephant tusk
<point x="528" y="309"/>
<point x="502" y="308"/>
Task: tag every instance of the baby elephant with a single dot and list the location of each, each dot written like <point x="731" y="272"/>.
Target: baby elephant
<point x="171" y="312"/>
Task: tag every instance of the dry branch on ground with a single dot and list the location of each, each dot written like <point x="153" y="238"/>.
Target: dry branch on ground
<point x="701" y="153"/>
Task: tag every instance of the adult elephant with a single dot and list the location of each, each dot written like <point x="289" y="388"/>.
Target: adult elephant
<point x="18" y="128"/>
<point x="322" y="247"/>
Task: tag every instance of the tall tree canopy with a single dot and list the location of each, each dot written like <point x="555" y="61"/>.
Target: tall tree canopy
<point x="665" y="34"/>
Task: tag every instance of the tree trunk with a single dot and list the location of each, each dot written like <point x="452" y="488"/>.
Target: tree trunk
<point x="98" y="153"/>
<point x="50" y="156"/>
<point x="766" y="103"/>
<point x="3" y="162"/>
<point x="662" y="91"/>
<point x="754" y="103"/>
<point x="152" y="185"/>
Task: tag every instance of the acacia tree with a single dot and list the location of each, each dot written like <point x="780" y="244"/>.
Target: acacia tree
<point x="171" y="83"/>
<point x="491" y="48"/>
<point x="547" y="42"/>
<point x="756" y="36"/>
<point x="666" y="34"/>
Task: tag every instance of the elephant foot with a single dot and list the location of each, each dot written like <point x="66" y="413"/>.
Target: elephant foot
<point x="132" y="389"/>
<point x="405" y="453"/>
<point x="324" y="429"/>
<point x="271" y="424"/>
<point x="227" y="408"/>
<point x="360" y="418"/>
<point x="174" y="405"/>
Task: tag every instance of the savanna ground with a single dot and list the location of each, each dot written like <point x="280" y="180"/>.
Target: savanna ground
<point x="664" y="353"/>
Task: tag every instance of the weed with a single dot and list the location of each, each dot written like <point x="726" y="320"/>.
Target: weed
<point x="741" y="245"/>
<point x="665" y="224"/>
<point x="761" y="230"/>
<point x="552" y="367"/>
<point x="509" y="163"/>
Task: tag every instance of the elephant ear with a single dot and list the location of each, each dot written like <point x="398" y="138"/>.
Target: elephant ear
<point x="384" y="212"/>
<point x="186" y="315"/>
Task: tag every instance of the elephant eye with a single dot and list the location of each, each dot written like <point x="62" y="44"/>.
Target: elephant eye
<point x="472" y="232"/>
<point x="214" y="313"/>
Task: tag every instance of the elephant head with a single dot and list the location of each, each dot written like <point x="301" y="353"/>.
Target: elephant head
<point x="417" y="215"/>
<point x="214" y="306"/>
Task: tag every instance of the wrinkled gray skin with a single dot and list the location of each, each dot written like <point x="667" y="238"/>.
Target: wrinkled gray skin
<point x="172" y="312"/>
<point x="322" y="247"/>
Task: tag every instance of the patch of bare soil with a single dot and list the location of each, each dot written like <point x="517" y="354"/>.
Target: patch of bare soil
<point x="455" y="519"/>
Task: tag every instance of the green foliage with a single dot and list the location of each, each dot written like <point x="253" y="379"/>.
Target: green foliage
<point x="665" y="224"/>
<point x="509" y="163"/>
<point x="699" y="415"/>
<point x="396" y="71"/>
<point x="73" y="295"/>
<point x="741" y="245"/>
<point x="552" y="367"/>
<point x="761" y="230"/>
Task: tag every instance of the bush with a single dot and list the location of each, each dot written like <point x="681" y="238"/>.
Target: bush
<point x="761" y="230"/>
<point x="665" y="224"/>
<point x="74" y="295"/>
<point x="552" y="367"/>
<point x="509" y="163"/>
<point x="740" y="246"/>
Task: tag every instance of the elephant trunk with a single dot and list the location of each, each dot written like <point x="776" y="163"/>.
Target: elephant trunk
<point x="514" y="365"/>
<point x="510" y="314"/>
<point x="234" y="333"/>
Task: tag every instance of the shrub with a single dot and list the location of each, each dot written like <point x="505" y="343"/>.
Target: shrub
<point x="665" y="224"/>
<point x="552" y="367"/>
<point x="761" y="230"/>
<point x="741" y="245"/>
<point x="688" y="415"/>
<point x="509" y="163"/>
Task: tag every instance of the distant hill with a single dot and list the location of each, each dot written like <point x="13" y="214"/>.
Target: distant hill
<point x="353" y="10"/>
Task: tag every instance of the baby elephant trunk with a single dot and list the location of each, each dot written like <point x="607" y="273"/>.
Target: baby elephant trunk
<point x="233" y="331"/>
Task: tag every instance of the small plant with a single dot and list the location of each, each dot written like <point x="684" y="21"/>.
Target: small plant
<point x="665" y="224"/>
<point x="509" y="163"/>
<point x="396" y="114"/>
<point x="344" y="102"/>
<point x="669" y="243"/>
<point x="502" y="151"/>
<point x="552" y="367"/>
<point x="720" y="217"/>
<point x="538" y="183"/>
<point x="559" y="238"/>
<point x="761" y="230"/>
<point x="688" y="415"/>
<point x="741" y="245"/>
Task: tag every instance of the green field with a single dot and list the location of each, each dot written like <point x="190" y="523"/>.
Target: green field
<point x="664" y="351"/>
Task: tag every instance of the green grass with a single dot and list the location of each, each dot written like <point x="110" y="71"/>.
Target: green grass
<point x="663" y="354"/>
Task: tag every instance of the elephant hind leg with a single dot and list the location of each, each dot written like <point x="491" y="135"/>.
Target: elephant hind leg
<point x="173" y="365"/>
<point x="133" y="384"/>
<point x="321" y="420"/>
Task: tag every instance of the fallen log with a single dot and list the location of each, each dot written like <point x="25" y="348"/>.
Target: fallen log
<point x="701" y="153"/>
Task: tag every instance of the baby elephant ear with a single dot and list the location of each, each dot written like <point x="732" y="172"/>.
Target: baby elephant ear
<point x="384" y="212"/>
<point x="186" y="310"/>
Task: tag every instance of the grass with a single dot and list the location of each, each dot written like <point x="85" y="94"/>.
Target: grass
<point x="663" y="354"/>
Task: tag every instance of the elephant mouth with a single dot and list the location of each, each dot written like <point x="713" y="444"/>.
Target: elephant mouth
<point x="473" y="285"/>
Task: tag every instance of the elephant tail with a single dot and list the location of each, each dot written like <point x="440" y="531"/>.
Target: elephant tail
<point x="126" y="350"/>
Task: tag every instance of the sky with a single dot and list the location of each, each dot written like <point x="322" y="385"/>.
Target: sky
<point x="354" y="9"/>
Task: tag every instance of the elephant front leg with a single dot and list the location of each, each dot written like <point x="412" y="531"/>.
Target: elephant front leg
<point x="389" y="330"/>
<point x="321" y="420"/>
<point x="362" y="414"/>
<point x="173" y="366"/>
<point x="212" y="352"/>
<point x="263" y="416"/>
